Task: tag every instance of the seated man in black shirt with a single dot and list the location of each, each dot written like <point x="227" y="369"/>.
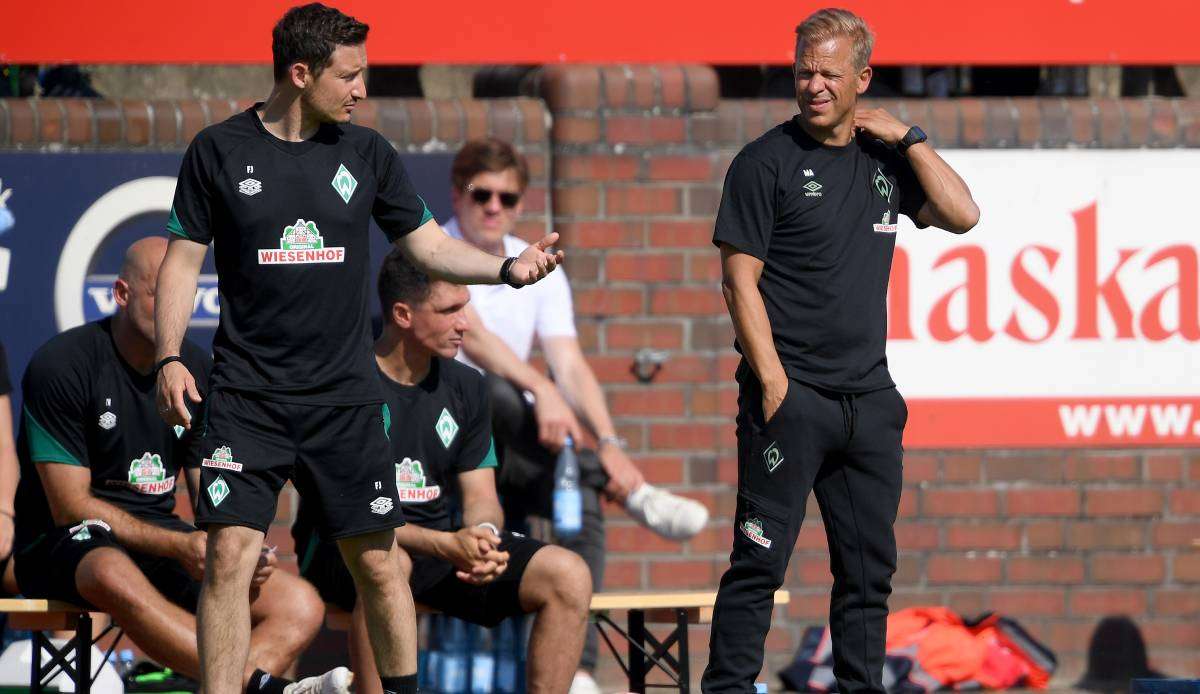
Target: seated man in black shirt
<point x="442" y="444"/>
<point x="96" y="521"/>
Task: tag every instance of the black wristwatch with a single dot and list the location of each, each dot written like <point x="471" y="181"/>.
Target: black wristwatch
<point x="506" y="273"/>
<point x="166" y="360"/>
<point x="914" y="136"/>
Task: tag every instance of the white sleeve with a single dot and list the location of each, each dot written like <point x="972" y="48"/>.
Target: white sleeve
<point x="555" y="309"/>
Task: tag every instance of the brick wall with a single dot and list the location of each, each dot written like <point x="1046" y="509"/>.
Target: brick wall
<point x="628" y="163"/>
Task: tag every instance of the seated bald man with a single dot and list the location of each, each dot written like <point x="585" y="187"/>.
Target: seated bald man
<point x="96" y="523"/>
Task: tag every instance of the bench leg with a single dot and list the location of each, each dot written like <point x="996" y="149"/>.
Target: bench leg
<point x="83" y="654"/>
<point x="681" y="629"/>
<point x="35" y="664"/>
<point x="637" y="657"/>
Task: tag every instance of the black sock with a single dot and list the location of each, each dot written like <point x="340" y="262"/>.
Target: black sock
<point x="405" y="684"/>
<point x="264" y="683"/>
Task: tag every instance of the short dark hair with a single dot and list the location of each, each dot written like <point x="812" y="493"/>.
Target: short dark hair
<point x="309" y="34"/>
<point x="401" y="281"/>
<point x="490" y="154"/>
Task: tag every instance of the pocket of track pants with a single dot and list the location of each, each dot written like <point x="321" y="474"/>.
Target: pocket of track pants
<point x="762" y="524"/>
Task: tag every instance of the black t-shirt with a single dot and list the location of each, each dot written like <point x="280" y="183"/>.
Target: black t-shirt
<point x="290" y="225"/>
<point x="5" y="383"/>
<point x="85" y="405"/>
<point x="823" y="221"/>
<point x="437" y="429"/>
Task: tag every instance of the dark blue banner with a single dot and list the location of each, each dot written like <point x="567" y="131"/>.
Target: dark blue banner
<point x="68" y="219"/>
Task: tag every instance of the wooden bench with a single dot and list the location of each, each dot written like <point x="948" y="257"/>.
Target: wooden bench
<point x="644" y="650"/>
<point x="75" y="657"/>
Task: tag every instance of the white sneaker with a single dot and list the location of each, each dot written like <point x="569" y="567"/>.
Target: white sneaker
<point x="672" y="516"/>
<point x="583" y="684"/>
<point x="336" y="681"/>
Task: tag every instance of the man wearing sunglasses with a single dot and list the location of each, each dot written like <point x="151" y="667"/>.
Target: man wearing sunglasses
<point x="531" y="417"/>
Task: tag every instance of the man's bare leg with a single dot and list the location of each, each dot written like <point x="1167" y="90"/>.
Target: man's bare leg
<point x="224" y="614"/>
<point x="558" y="587"/>
<point x="380" y="570"/>
<point x="286" y="614"/>
<point x="362" y="661"/>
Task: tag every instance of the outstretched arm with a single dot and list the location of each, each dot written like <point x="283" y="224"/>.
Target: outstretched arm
<point x="435" y="252"/>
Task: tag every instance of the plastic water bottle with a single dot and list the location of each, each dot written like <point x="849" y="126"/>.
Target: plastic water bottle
<point x="760" y="688"/>
<point x="452" y="678"/>
<point x="483" y="661"/>
<point x="433" y="658"/>
<point x="424" y="636"/>
<point x="125" y="662"/>
<point x="568" y="502"/>
<point x="504" y="646"/>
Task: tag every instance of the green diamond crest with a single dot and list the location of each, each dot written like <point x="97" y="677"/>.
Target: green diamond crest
<point x="344" y="183"/>
<point x="218" y="491"/>
<point x="446" y="427"/>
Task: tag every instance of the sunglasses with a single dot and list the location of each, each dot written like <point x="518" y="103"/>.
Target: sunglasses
<point x="483" y="196"/>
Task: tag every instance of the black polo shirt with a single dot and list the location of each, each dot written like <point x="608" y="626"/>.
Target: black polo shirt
<point x="823" y="221"/>
<point x="289" y="224"/>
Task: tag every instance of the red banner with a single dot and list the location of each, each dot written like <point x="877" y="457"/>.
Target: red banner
<point x="669" y="31"/>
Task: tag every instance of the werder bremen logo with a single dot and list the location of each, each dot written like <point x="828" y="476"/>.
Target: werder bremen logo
<point x="218" y="491"/>
<point x="446" y="428"/>
<point x="882" y="186"/>
<point x="148" y="475"/>
<point x="344" y="183"/>
<point x="410" y="483"/>
<point x="773" y="457"/>
<point x="301" y="243"/>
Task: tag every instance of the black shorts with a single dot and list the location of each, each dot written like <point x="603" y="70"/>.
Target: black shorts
<point x="337" y="456"/>
<point x="433" y="581"/>
<point x="46" y="568"/>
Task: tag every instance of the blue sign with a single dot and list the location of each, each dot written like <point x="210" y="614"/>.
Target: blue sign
<point x="68" y="219"/>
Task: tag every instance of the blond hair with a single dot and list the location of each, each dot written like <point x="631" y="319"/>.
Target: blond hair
<point x="831" y="23"/>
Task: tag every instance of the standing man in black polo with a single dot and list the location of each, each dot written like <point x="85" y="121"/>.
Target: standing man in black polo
<point x="806" y="228"/>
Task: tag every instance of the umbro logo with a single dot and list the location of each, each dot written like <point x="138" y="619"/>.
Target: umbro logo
<point x="381" y="505"/>
<point x="250" y="187"/>
<point x="813" y="189"/>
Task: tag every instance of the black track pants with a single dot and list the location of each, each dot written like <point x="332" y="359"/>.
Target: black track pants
<point x="846" y="449"/>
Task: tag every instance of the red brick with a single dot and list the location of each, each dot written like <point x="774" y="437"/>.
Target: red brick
<point x="660" y="469"/>
<point x="582" y="265"/>
<point x="475" y="122"/>
<point x="811" y="568"/>
<point x="681" y="437"/>
<point x="606" y="301"/>
<point x="635" y="538"/>
<point x="969" y="602"/>
<point x="1164" y="468"/>
<point x="989" y="536"/>
<point x="1186" y="502"/>
<point x="811" y="537"/>
<point x="961" y="468"/>
<point x="575" y="130"/>
<point x="974" y="121"/>
<point x="587" y="333"/>
<point x="1042" y="501"/>
<point x="51" y="120"/>
<point x="680" y="168"/>
<point x="79" y="121"/>
<point x="703" y="89"/>
<point x="1103" y="468"/>
<point x="1044" y="535"/>
<point x="1187" y="568"/>
<point x="596" y="167"/>
<point x="643" y="84"/>
<point x="1176" y="602"/>
<point x="620" y="335"/>
<point x="598" y="234"/>
<point x="687" y="301"/>
<point x="533" y="116"/>
<point x="697" y="234"/>
<point x="1171" y="633"/>
<point x="638" y="266"/>
<point x="571" y="86"/>
<point x="703" y="201"/>
<point x="905" y="598"/>
<point x="1175" y="534"/>
<point x="1099" y="602"/>
<point x="622" y="574"/>
<point x="1043" y="569"/>
<point x="420" y="121"/>
<point x="704" y="267"/>
<point x="714" y="401"/>
<point x="908" y="505"/>
<point x="450" y="124"/>
<point x="959" y="568"/>
<point x="713" y="540"/>
<point x="920" y="468"/>
<point x="1038" y="468"/>
<point x="958" y="502"/>
<point x="641" y="201"/>
<point x="1123" y="502"/>
<point x="535" y="199"/>
<point x="642" y="130"/>
<point x="1022" y="602"/>
<point x="280" y="537"/>
<point x="1127" y="568"/>
<point x="683" y="574"/>
<point x="809" y="606"/>
<point x="576" y="201"/>
<point x="916" y="536"/>
<point x="1087" y="535"/>
<point x="671" y="83"/>
<point x="642" y="402"/>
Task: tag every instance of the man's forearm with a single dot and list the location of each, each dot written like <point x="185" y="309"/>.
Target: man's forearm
<point x="753" y="330"/>
<point x="174" y="299"/>
<point x="133" y="533"/>
<point x="450" y="259"/>
<point x="484" y="512"/>
<point x="413" y="538"/>
<point x="946" y="191"/>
